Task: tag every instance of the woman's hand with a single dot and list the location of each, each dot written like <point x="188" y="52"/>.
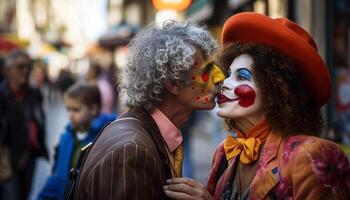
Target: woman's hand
<point x="186" y="188"/>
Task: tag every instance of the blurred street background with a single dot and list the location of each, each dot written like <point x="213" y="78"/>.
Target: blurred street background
<point x="69" y="38"/>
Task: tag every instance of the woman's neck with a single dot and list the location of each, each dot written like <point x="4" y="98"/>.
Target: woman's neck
<point x="247" y="123"/>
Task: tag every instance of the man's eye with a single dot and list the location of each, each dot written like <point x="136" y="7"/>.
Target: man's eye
<point x="205" y="76"/>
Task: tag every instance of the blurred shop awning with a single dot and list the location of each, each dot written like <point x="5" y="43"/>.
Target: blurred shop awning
<point x="118" y="35"/>
<point x="200" y="10"/>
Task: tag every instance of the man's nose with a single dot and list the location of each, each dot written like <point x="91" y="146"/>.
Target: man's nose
<point x="217" y="75"/>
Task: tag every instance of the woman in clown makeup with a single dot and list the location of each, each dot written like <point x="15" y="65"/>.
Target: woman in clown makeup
<point x="275" y="86"/>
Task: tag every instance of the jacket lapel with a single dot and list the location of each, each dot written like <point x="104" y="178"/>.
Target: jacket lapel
<point x="152" y="128"/>
<point x="224" y="180"/>
<point x="267" y="175"/>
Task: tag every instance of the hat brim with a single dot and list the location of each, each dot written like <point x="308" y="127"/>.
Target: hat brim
<point x="257" y="28"/>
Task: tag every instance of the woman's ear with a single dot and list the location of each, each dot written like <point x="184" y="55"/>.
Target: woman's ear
<point x="173" y="86"/>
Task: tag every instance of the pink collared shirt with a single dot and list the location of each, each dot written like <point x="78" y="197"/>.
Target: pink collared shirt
<point x="170" y="133"/>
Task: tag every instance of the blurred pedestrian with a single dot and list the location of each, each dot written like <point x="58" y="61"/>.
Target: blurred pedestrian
<point x="95" y="75"/>
<point x="23" y="121"/>
<point x="2" y="66"/>
<point x="65" y="80"/>
<point x="169" y="74"/>
<point x="83" y="102"/>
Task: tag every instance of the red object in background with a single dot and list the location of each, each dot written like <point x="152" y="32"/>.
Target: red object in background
<point x="6" y="46"/>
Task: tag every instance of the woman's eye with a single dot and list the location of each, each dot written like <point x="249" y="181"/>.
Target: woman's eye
<point x="244" y="74"/>
<point x="241" y="77"/>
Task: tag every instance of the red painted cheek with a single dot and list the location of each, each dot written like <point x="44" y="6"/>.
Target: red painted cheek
<point x="205" y="77"/>
<point x="246" y="95"/>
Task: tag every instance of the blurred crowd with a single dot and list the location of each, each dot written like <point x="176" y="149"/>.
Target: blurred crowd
<point x="25" y="88"/>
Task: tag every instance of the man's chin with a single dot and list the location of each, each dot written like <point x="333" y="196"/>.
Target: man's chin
<point x="209" y="106"/>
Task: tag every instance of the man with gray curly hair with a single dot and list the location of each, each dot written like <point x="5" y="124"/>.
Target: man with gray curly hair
<point x="170" y="73"/>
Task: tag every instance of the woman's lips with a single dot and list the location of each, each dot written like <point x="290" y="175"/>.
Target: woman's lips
<point x="222" y="99"/>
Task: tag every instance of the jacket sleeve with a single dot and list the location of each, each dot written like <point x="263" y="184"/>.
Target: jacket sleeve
<point x="55" y="185"/>
<point x="321" y="171"/>
<point x="127" y="173"/>
<point x="53" y="189"/>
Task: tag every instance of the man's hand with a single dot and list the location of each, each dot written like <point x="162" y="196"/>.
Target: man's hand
<point x="186" y="188"/>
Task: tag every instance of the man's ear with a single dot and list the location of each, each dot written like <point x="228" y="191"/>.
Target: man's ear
<point x="173" y="86"/>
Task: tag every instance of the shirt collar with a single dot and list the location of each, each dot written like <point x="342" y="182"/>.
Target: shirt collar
<point x="170" y="133"/>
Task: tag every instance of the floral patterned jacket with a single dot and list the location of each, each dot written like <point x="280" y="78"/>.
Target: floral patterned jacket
<point x="294" y="167"/>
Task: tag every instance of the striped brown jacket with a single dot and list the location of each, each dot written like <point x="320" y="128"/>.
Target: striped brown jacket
<point x="128" y="161"/>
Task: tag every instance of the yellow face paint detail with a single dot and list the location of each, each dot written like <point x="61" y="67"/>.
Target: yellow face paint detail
<point x="217" y="74"/>
<point x="210" y="70"/>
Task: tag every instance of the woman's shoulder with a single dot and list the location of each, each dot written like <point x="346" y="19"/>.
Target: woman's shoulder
<point x="315" y="162"/>
<point x="311" y="144"/>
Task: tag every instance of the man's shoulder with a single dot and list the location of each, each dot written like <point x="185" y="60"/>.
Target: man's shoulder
<point x="121" y="132"/>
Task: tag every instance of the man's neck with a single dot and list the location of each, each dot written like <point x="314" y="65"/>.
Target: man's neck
<point x="176" y="114"/>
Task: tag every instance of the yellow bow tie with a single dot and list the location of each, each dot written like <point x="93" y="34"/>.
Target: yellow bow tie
<point x="248" y="149"/>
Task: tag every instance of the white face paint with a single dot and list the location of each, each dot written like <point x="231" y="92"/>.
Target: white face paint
<point x="240" y="97"/>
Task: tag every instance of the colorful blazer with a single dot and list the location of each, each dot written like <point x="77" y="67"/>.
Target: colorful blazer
<point x="294" y="167"/>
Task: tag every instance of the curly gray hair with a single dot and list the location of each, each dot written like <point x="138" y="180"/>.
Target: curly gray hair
<point x="159" y="54"/>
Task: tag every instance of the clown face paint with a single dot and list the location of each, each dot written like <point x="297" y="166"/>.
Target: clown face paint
<point x="205" y="77"/>
<point x="240" y="96"/>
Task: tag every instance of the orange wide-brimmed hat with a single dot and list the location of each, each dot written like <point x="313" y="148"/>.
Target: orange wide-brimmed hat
<point x="287" y="38"/>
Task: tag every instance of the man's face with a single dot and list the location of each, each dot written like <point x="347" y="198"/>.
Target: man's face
<point x="19" y="71"/>
<point x="80" y="115"/>
<point x="205" y="77"/>
<point x="240" y="96"/>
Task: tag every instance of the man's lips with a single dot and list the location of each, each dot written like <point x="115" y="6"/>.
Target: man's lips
<point x="222" y="99"/>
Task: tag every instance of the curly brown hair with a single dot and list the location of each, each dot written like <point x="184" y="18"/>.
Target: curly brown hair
<point x="288" y="107"/>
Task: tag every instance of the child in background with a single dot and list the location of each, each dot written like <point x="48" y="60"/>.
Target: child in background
<point x="83" y="102"/>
